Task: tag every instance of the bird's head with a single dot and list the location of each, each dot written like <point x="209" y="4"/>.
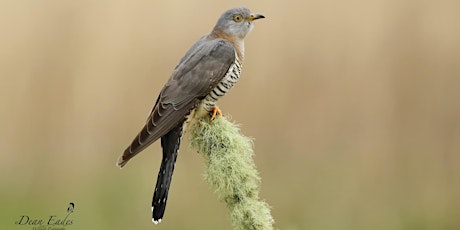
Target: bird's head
<point x="236" y="22"/>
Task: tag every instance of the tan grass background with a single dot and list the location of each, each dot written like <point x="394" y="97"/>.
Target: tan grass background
<point x="354" y="107"/>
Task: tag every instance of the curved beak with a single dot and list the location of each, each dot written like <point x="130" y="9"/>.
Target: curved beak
<point x="255" y="17"/>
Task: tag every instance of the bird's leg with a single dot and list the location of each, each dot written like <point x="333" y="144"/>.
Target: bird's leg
<point x="215" y="111"/>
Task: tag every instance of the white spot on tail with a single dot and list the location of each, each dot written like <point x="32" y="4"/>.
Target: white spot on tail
<point x="156" y="221"/>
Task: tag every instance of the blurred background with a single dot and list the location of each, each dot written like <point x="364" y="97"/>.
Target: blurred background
<point x="354" y="107"/>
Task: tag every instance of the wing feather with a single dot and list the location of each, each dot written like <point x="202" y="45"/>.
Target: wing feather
<point x="199" y="71"/>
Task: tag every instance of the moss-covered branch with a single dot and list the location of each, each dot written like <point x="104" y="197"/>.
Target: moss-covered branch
<point x="231" y="171"/>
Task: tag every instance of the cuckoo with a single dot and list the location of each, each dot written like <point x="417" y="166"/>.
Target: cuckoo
<point x="207" y="72"/>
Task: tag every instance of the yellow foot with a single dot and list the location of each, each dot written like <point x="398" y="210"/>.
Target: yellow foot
<point x="215" y="111"/>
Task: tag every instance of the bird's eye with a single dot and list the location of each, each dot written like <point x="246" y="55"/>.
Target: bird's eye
<point x="237" y="18"/>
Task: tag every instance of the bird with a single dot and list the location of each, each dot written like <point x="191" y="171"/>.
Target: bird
<point x="71" y="207"/>
<point x="208" y="70"/>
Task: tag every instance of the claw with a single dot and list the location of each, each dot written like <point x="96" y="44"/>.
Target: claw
<point x="215" y="111"/>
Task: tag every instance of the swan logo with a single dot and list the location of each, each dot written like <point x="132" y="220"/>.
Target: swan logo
<point x="50" y="222"/>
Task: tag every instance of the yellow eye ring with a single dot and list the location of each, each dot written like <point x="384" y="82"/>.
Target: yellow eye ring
<point x="237" y="17"/>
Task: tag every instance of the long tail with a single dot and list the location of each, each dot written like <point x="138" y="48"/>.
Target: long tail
<point x="170" y="143"/>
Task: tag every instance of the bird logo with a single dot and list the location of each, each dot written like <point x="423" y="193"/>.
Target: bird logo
<point x="71" y="207"/>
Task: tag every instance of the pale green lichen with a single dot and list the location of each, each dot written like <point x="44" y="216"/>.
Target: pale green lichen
<point x="231" y="171"/>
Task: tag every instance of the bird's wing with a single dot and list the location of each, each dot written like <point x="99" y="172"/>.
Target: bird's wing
<point x="191" y="81"/>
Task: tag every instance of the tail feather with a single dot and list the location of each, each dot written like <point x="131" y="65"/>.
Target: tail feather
<point x="170" y="143"/>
